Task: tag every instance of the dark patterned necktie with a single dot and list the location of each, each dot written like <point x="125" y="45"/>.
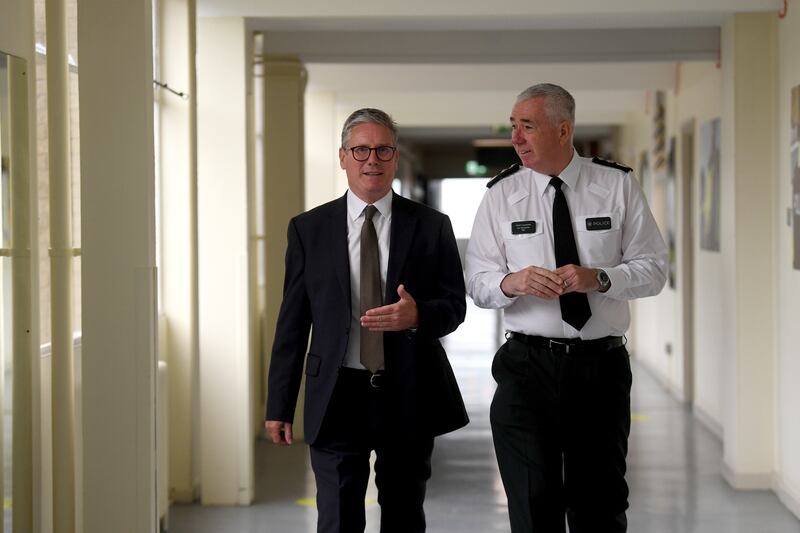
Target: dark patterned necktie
<point x="371" y="341"/>
<point x="575" y="309"/>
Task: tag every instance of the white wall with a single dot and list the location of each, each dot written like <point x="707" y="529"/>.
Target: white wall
<point x="654" y="320"/>
<point x="645" y="341"/>
<point x="698" y="98"/>
<point x="321" y="160"/>
<point x="658" y="321"/>
<point x="788" y="279"/>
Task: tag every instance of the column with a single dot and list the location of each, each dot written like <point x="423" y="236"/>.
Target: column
<point x="749" y="52"/>
<point x="118" y="265"/>
<point x="224" y="227"/>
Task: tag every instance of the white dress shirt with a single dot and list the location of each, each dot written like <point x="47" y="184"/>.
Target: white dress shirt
<point x="383" y="223"/>
<point x="631" y="251"/>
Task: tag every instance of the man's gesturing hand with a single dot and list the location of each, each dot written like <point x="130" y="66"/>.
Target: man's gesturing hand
<point x="394" y="317"/>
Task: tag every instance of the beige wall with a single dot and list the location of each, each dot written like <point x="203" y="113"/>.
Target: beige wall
<point x="698" y="98"/>
<point x="178" y="242"/>
<point x="788" y="279"/>
<point x="118" y="266"/>
<point x="750" y="41"/>
<point x="657" y="321"/>
<point x="746" y="365"/>
<point x="16" y="28"/>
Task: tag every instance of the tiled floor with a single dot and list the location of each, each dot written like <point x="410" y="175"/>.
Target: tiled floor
<point x="674" y="474"/>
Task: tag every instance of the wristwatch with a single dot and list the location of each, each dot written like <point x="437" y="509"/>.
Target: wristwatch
<point x="603" y="280"/>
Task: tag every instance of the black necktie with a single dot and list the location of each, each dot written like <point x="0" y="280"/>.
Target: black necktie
<point x="371" y="341"/>
<point x="575" y="309"/>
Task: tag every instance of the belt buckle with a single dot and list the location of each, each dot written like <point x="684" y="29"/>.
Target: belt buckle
<point x="561" y="345"/>
<point x="375" y="380"/>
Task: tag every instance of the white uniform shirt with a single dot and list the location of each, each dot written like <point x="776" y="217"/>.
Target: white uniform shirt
<point x="355" y="220"/>
<point x="631" y="251"/>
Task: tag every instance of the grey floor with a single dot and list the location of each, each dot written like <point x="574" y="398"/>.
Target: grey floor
<point x="674" y="472"/>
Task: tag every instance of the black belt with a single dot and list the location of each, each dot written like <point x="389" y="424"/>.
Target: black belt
<point x="365" y="376"/>
<point x="568" y="346"/>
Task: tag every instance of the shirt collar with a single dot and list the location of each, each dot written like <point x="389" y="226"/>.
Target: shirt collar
<point x="355" y="205"/>
<point x="569" y="175"/>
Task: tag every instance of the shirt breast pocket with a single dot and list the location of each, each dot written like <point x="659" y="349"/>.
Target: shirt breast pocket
<point x="599" y="239"/>
<point x="525" y="243"/>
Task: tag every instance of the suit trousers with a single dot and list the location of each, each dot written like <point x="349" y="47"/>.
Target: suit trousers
<point x="560" y="425"/>
<point x="357" y="422"/>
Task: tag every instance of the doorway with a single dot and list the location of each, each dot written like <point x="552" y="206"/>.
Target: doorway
<point x="687" y="261"/>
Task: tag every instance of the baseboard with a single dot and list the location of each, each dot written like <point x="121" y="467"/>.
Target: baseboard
<point x="181" y="496"/>
<point x="747" y="481"/>
<point x="708" y="422"/>
<point x="651" y="369"/>
<point x="789" y="496"/>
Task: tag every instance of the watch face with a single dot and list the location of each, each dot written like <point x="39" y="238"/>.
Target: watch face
<point x="603" y="279"/>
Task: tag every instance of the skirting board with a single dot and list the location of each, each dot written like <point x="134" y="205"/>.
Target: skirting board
<point x="708" y="421"/>
<point x="747" y="481"/>
<point x="660" y="378"/>
<point x="789" y="496"/>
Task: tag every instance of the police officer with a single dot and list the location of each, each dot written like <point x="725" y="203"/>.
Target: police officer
<point x="561" y="243"/>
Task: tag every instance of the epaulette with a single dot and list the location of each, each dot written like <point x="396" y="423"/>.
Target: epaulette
<point x="612" y="164"/>
<point x="503" y="174"/>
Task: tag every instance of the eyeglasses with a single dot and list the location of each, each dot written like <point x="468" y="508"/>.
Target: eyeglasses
<point x="383" y="153"/>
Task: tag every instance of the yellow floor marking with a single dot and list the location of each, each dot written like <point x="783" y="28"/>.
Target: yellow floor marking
<point x="312" y="502"/>
<point x="7" y="503"/>
<point x="306" y="502"/>
<point x="638" y="417"/>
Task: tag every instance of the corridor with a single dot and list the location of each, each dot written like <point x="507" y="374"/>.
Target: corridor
<point x="674" y="471"/>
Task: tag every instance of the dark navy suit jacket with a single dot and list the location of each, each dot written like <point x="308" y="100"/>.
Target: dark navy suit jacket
<point x="422" y="392"/>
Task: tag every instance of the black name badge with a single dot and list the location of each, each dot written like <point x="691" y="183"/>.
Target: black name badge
<point x="599" y="223"/>
<point x="522" y="227"/>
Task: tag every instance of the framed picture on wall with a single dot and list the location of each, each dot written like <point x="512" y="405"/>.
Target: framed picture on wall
<point x="671" y="211"/>
<point x="709" y="186"/>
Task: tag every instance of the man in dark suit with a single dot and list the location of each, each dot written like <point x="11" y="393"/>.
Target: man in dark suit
<point x="377" y="279"/>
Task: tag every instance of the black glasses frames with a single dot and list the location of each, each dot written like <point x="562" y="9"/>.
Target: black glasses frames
<point x="383" y="153"/>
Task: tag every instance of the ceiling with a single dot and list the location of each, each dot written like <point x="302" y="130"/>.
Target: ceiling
<point x="445" y="64"/>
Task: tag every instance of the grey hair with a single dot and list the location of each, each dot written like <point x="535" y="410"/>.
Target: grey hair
<point x="367" y="115"/>
<point x="559" y="104"/>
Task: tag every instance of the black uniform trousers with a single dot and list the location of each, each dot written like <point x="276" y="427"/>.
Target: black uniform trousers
<point x="357" y="422"/>
<point x="560" y="424"/>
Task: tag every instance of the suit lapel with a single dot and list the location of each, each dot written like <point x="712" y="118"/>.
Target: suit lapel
<point x="402" y="233"/>
<point x="337" y="236"/>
